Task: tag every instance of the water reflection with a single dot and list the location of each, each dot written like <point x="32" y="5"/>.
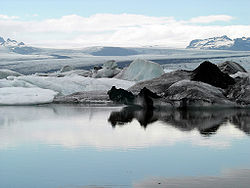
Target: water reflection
<point x="230" y="178"/>
<point x="75" y="146"/>
<point x="85" y="126"/>
<point x="206" y="121"/>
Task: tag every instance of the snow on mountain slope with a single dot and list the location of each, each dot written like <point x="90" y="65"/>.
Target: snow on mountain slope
<point x="10" y="43"/>
<point x="222" y="43"/>
<point x="17" y="47"/>
<point x="241" y="44"/>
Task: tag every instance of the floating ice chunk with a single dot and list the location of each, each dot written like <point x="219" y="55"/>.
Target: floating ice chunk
<point x="13" y="82"/>
<point x="240" y="75"/>
<point x="231" y="67"/>
<point x="106" y="73"/>
<point x="79" y="72"/>
<point x="66" y="68"/>
<point x="109" y="70"/>
<point x="140" y="70"/>
<point x="25" y="96"/>
<point x="4" y="73"/>
<point x="74" y="83"/>
<point x="194" y="93"/>
<point x="110" y="64"/>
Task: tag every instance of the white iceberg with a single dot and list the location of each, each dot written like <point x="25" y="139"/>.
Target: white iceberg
<point x="66" y="68"/>
<point x="240" y="75"/>
<point x="13" y="82"/>
<point x="69" y="84"/>
<point x="4" y="73"/>
<point x="25" y="96"/>
<point x="79" y="72"/>
<point x="140" y="70"/>
<point x="109" y="70"/>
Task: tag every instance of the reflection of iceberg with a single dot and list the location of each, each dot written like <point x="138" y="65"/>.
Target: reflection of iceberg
<point x="207" y="121"/>
<point x="71" y="126"/>
<point x="242" y="120"/>
<point x="127" y="114"/>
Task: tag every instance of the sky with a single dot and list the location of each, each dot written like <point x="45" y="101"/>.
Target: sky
<point x="80" y="23"/>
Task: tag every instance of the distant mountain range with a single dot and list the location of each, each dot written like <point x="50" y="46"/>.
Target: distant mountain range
<point x="21" y="48"/>
<point x="9" y="42"/>
<point x="17" y="47"/>
<point x="221" y="43"/>
<point x="215" y="43"/>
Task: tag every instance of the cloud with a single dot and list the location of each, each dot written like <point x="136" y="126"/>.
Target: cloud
<point x="211" y="18"/>
<point x="6" y="17"/>
<point x="118" y="30"/>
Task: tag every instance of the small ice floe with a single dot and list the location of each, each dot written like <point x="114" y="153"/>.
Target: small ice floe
<point x="25" y="96"/>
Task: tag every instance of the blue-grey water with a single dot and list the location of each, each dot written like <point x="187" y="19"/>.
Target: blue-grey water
<point x="64" y="146"/>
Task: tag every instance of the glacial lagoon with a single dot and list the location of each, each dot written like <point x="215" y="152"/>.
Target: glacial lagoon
<point x="76" y="146"/>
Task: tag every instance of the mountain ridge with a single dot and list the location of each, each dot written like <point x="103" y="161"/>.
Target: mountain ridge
<point x="17" y="47"/>
<point x="221" y="43"/>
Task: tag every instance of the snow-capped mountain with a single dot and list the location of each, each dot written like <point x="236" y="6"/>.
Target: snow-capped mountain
<point x="221" y="43"/>
<point x="10" y="43"/>
<point x="241" y="44"/>
<point x="17" y="47"/>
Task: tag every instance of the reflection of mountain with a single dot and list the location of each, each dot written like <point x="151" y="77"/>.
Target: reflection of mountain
<point x="206" y="121"/>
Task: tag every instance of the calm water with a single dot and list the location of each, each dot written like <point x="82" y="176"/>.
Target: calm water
<point x="78" y="146"/>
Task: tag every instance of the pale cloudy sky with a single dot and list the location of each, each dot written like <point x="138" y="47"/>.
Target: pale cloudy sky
<point x="83" y="23"/>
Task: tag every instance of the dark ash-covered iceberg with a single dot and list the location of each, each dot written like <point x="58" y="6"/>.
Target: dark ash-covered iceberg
<point x="205" y="86"/>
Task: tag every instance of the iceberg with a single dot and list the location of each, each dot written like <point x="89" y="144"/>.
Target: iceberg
<point x="4" y="73"/>
<point x="108" y="70"/>
<point x="66" y="68"/>
<point x="25" y="96"/>
<point x="186" y="93"/>
<point x="140" y="70"/>
<point x="84" y="97"/>
<point x="79" y="72"/>
<point x="161" y="84"/>
<point x="231" y="67"/>
<point x="70" y="84"/>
